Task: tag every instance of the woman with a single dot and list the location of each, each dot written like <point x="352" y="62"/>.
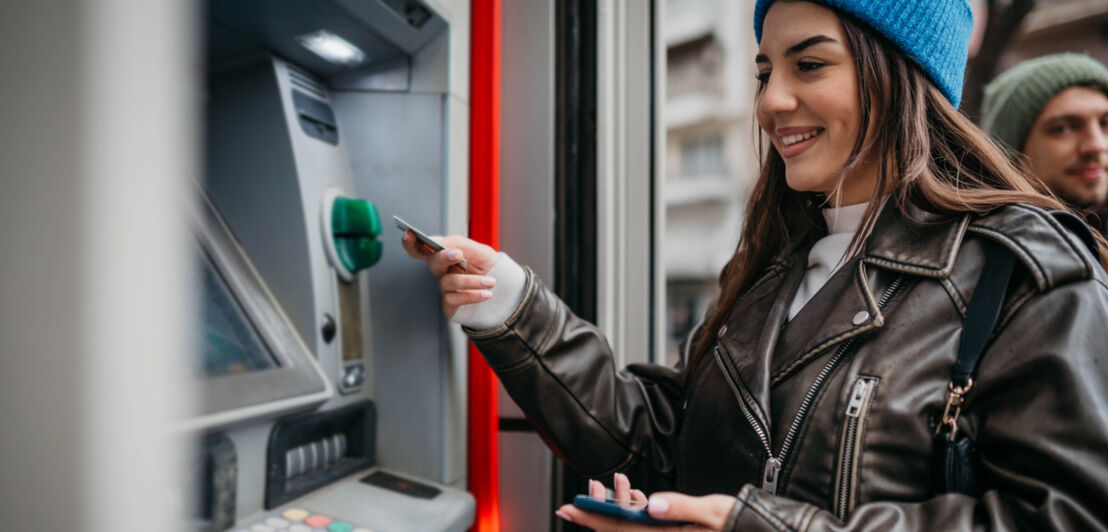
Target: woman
<point x="809" y="396"/>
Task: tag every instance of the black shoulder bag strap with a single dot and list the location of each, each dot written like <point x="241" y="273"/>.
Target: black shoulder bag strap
<point x="955" y="467"/>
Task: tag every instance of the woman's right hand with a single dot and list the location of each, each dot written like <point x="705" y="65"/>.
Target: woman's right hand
<point x="457" y="288"/>
<point x="703" y="514"/>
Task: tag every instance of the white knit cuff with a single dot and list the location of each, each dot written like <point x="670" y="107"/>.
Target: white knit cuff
<point x="506" y="295"/>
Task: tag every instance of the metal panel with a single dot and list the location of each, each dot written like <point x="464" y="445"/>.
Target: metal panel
<point x="525" y="466"/>
<point x="527" y="226"/>
<point x="252" y="180"/>
<point x="527" y="146"/>
<point x="527" y="135"/>
<point x="399" y="165"/>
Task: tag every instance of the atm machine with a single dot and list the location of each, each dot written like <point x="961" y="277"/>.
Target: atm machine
<point x="324" y="365"/>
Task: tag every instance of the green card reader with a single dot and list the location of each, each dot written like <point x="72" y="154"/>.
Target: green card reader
<point x="351" y="227"/>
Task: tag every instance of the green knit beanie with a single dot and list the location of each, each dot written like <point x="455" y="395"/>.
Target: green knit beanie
<point x="1016" y="98"/>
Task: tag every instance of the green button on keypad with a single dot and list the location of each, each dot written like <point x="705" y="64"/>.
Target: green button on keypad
<point x="339" y="526"/>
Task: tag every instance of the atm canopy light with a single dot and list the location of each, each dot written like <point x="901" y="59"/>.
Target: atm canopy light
<point x="332" y="48"/>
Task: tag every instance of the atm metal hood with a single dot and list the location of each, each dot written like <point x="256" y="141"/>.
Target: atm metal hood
<point x="385" y="30"/>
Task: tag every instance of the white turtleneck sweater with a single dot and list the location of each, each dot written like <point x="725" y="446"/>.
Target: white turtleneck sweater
<point x="825" y="258"/>
<point x="828" y="253"/>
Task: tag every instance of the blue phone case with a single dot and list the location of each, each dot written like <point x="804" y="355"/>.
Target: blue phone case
<point x="611" y="509"/>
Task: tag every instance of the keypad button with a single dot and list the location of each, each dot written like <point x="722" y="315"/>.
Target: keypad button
<point x="295" y="514"/>
<point x="277" y="522"/>
<point x="339" y="526"/>
<point x="300" y="528"/>
<point x="261" y="528"/>
<point x="317" y="521"/>
<point x="362" y="530"/>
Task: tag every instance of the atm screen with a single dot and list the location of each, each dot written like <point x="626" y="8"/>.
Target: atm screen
<point x="230" y="343"/>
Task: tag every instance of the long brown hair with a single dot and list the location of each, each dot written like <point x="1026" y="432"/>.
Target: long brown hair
<point x="927" y="152"/>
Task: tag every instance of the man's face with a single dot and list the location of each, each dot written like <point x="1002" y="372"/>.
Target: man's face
<point x="1068" y="146"/>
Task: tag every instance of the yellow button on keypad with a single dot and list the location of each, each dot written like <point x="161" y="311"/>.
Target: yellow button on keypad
<point x="295" y="514"/>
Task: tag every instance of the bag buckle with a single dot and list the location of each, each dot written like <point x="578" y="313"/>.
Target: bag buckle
<point x="954" y="399"/>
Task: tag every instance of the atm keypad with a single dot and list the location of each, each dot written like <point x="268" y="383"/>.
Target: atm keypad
<point x="299" y="520"/>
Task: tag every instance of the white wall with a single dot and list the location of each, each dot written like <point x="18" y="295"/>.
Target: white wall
<point x="94" y="164"/>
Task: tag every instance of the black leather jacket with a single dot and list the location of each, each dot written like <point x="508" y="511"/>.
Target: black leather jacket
<point x="825" y="423"/>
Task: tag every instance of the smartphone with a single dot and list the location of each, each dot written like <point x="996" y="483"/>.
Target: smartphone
<point x="428" y="243"/>
<point x="621" y="509"/>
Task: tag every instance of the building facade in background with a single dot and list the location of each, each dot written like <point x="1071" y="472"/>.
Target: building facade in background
<point x="711" y="155"/>
<point x="1056" y="26"/>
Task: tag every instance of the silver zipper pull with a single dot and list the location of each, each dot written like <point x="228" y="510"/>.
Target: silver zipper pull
<point x="857" y="396"/>
<point x="769" y="477"/>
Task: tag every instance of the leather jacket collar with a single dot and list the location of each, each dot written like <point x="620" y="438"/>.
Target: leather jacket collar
<point x="917" y="242"/>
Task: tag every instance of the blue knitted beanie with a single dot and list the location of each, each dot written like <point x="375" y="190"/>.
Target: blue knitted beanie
<point x="934" y="33"/>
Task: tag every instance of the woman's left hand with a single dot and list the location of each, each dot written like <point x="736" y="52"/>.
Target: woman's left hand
<point x="704" y="513"/>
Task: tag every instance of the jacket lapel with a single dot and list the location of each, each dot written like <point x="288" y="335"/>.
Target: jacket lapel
<point x="843" y="308"/>
<point x="749" y="350"/>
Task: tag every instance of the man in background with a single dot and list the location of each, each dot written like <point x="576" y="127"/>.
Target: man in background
<point x="1054" y="111"/>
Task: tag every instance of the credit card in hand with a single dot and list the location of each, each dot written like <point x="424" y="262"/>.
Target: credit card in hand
<point x="428" y="243"/>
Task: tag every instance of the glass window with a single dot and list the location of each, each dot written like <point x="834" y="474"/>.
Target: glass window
<point x="710" y="156"/>
<point x="702" y="157"/>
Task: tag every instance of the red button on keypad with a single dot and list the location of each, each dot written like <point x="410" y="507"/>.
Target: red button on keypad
<point x="318" y="521"/>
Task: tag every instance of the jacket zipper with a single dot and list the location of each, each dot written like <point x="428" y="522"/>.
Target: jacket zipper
<point x="759" y="429"/>
<point x="856" y="409"/>
<point x="772" y="470"/>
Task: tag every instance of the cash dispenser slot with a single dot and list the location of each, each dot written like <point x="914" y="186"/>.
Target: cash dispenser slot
<point x="309" y="451"/>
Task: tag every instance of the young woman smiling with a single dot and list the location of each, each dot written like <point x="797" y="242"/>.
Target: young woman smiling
<point x="808" y="397"/>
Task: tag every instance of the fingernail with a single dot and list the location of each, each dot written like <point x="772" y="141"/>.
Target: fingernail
<point x="486" y="293"/>
<point x="564" y="516"/>
<point x="454" y="254"/>
<point x="488" y="281"/>
<point x="658" y="506"/>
